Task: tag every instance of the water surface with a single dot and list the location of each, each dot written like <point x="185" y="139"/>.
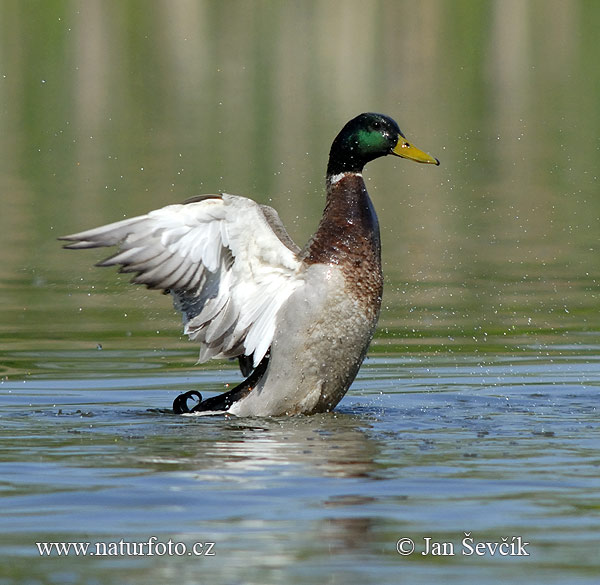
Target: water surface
<point x="423" y="447"/>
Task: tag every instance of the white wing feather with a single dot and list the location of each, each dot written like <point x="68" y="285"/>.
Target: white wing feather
<point x="229" y="272"/>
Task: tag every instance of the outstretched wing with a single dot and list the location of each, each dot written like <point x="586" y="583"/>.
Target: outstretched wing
<point x="227" y="261"/>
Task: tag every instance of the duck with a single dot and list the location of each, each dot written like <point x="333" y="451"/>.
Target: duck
<point x="298" y="320"/>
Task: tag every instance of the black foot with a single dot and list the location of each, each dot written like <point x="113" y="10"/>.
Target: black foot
<point x="222" y="401"/>
<point x="180" y="404"/>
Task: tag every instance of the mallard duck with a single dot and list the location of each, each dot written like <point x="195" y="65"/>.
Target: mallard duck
<point x="298" y="320"/>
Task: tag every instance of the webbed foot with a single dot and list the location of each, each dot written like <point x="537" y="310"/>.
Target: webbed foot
<point x="180" y="404"/>
<point x="222" y="402"/>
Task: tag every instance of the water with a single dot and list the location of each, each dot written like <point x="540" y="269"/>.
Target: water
<point x="423" y="447"/>
<point x="475" y="414"/>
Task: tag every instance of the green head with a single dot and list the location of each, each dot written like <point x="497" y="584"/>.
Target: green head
<point x="366" y="138"/>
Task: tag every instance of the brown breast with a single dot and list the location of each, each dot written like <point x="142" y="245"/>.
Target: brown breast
<point x="348" y="236"/>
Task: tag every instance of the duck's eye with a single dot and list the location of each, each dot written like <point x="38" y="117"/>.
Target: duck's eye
<point x="376" y="125"/>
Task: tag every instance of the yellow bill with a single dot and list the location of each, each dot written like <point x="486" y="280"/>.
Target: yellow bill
<point x="406" y="150"/>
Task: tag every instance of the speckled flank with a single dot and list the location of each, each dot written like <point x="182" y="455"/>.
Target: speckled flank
<point x="348" y="236"/>
<point x="321" y="339"/>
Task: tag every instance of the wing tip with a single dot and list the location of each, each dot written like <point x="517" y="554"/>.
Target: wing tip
<point x="76" y="243"/>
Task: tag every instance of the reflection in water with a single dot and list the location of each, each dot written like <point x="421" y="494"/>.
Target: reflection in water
<point x="335" y="445"/>
<point x="263" y="454"/>
<point x="451" y="445"/>
<point x="330" y="445"/>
